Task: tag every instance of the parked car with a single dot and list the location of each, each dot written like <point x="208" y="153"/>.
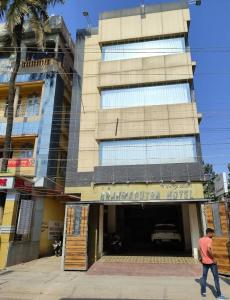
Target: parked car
<point x="165" y="233"/>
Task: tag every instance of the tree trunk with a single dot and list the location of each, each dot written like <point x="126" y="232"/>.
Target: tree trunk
<point x="11" y="95"/>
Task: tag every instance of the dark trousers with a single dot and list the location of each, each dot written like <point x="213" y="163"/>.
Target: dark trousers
<point x="215" y="274"/>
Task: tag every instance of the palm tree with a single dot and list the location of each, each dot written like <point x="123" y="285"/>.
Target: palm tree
<point x="16" y="13"/>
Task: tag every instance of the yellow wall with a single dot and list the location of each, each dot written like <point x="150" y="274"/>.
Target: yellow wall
<point x="9" y="219"/>
<point x="54" y="210"/>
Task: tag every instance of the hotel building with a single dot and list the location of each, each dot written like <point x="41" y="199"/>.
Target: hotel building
<point x="134" y="156"/>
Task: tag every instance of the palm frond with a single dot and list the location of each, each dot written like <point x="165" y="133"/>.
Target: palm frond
<point x="55" y="2"/>
<point x="3" y="8"/>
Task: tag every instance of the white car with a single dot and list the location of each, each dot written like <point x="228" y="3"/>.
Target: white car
<point x="165" y="233"/>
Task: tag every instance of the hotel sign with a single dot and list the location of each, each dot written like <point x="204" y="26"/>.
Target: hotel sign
<point x="175" y="193"/>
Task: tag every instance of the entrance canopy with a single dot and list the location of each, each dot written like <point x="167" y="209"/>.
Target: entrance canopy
<point x="140" y="202"/>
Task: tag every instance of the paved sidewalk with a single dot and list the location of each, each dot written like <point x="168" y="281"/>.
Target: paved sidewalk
<point x="43" y="280"/>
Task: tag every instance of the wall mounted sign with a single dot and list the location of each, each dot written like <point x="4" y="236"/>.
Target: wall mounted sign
<point x="55" y="230"/>
<point x="6" y="183"/>
<point x="22" y="162"/>
<point x="146" y="196"/>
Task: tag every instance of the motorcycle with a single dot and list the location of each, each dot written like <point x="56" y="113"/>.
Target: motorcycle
<point x="57" y="245"/>
<point x="115" y="243"/>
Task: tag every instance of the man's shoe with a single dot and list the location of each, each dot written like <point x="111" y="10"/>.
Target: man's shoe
<point x="203" y="294"/>
<point x="222" y="298"/>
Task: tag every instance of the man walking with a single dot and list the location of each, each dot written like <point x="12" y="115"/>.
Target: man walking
<point x="208" y="261"/>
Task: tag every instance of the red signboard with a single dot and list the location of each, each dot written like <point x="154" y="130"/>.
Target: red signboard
<point x="3" y="181"/>
<point x="21" y="162"/>
<point x="22" y="184"/>
<point x="6" y="183"/>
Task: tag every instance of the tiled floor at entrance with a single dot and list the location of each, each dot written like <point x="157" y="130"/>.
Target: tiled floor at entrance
<point x="146" y="266"/>
<point x="148" y="259"/>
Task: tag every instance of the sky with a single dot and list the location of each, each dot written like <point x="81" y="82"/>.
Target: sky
<point x="210" y="46"/>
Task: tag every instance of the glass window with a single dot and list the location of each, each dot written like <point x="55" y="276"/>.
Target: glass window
<point x="148" y="151"/>
<point x="26" y="151"/>
<point x="32" y="108"/>
<point x="24" y="221"/>
<point x="143" y="49"/>
<point x="21" y="109"/>
<point x="141" y="96"/>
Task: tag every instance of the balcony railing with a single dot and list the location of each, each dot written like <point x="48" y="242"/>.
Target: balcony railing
<point x="37" y="63"/>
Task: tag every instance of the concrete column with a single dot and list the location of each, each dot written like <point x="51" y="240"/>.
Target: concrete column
<point x="101" y="231"/>
<point x="1" y="213"/>
<point x="8" y="225"/>
<point x="186" y="227"/>
<point x="194" y="227"/>
<point x="111" y="218"/>
<point x="203" y="219"/>
<point x="37" y="219"/>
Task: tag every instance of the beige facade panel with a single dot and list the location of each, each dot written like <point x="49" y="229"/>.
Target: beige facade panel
<point x="173" y="22"/>
<point x="88" y="120"/>
<point x="89" y="85"/>
<point x="145" y="70"/>
<point x="153" y="25"/>
<point x="87" y="160"/>
<point x="88" y="151"/>
<point x="141" y="77"/>
<point x="156" y="27"/>
<point x="90" y="101"/>
<point x="130" y="27"/>
<point x="92" y="50"/>
<point x="183" y="126"/>
<point x="90" y="68"/>
<point x="149" y="121"/>
<point x="145" y="63"/>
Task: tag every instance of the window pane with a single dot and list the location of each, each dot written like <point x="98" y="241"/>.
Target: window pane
<point x="25" y="217"/>
<point x="143" y="49"/>
<point x="152" y="95"/>
<point x="32" y="108"/>
<point x="148" y="151"/>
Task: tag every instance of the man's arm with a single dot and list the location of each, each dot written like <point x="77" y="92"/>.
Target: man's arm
<point x="210" y="253"/>
<point x="199" y="255"/>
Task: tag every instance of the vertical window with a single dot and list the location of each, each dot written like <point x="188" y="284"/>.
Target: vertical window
<point x="148" y="151"/>
<point x="26" y="151"/>
<point x="24" y="219"/>
<point x="21" y="109"/>
<point x="143" y="49"/>
<point x="32" y="108"/>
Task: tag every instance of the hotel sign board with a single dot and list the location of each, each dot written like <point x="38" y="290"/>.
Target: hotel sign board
<point x="177" y="193"/>
<point x="221" y="184"/>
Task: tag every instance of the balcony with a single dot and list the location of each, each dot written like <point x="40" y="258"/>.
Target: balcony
<point x="39" y="66"/>
<point x="21" y="128"/>
<point x="20" y="166"/>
